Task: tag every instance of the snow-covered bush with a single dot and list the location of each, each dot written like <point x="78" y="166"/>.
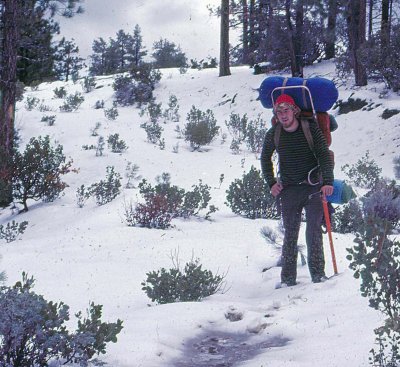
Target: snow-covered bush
<point x="82" y="194"/>
<point x="153" y="130"/>
<point x="396" y="162"/>
<point x="100" y="146"/>
<point x="99" y="105"/>
<point x="60" y="92"/>
<point x="116" y="144"/>
<point x="364" y="173"/>
<point x="37" y="172"/>
<point x="348" y="218"/>
<point x="33" y="330"/>
<point x="131" y="173"/>
<point x="107" y="190"/>
<point x="95" y="130"/>
<point x="152" y="110"/>
<point x="180" y="203"/>
<point x="31" y="103"/>
<point x="137" y="87"/>
<point x="72" y="102"/>
<point x="111" y="113"/>
<point x="192" y="283"/>
<point x="351" y="105"/>
<point x="250" y="196"/>
<point x="12" y="230"/>
<point x="201" y="128"/>
<point x="237" y="126"/>
<point x="154" y="213"/>
<point x="172" y="112"/>
<point x="49" y="119"/>
<point x="255" y="132"/>
<point x="88" y="84"/>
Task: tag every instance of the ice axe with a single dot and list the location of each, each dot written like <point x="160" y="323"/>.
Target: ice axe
<point x="329" y="230"/>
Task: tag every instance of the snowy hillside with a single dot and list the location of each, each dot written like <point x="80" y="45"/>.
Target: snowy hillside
<point x="79" y="255"/>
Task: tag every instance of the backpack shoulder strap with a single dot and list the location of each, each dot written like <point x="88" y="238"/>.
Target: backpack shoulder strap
<point x="277" y="134"/>
<point x="307" y="133"/>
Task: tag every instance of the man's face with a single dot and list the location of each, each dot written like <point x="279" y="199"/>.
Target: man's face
<point x="286" y="115"/>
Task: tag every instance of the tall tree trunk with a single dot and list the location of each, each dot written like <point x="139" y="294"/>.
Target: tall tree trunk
<point x="224" y="69"/>
<point x="298" y="45"/>
<point x="245" y="32"/>
<point x="252" y="25"/>
<point x="356" y="22"/>
<point x="7" y="100"/>
<point x="330" y="38"/>
<point x="370" y="18"/>
<point x="385" y="30"/>
<point x="294" y="40"/>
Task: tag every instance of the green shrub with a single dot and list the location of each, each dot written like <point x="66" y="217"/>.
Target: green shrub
<point x="237" y="126"/>
<point x="99" y="105"/>
<point x="131" y="173"/>
<point x="364" y="173"/>
<point x="192" y="283"/>
<point x="388" y="113"/>
<point x="49" y="119"/>
<point x="116" y="144"/>
<point x="152" y="110"/>
<point x="111" y="113"/>
<point x="153" y="131"/>
<point x="37" y="172"/>
<point x="172" y="112"/>
<point x="88" y="84"/>
<point x="11" y="231"/>
<point x="255" y="132"/>
<point x="106" y="190"/>
<point x="348" y="218"/>
<point x="201" y="128"/>
<point x="250" y="196"/>
<point x="72" y="102"/>
<point x="350" y="105"/>
<point x="31" y="103"/>
<point x="33" y="331"/>
<point x="396" y="162"/>
<point x="60" y="92"/>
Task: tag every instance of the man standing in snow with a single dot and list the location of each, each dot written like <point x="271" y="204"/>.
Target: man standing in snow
<point x="304" y="175"/>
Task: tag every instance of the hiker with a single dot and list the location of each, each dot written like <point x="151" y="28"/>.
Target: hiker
<point x="304" y="175"/>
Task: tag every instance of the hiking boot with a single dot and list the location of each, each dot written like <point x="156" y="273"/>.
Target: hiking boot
<point x="320" y="279"/>
<point x="285" y="284"/>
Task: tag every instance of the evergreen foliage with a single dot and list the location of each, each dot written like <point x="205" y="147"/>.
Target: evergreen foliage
<point x="60" y="92"/>
<point x="374" y="260"/>
<point x="255" y="132"/>
<point x="364" y="173"/>
<point x="190" y="284"/>
<point x="11" y="231"/>
<point x="49" y="119"/>
<point x="131" y="173"/>
<point x="138" y="87"/>
<point x="250" y="196"/>
<point x="111" y="113"/>
<point x="348" y="218"/>
<point x="116" y="144"/>
<point x="153" y="131"/>
<point x="168" y="55"/>
<point x="72" y="102"/>
<point x="67" y="61"/>
<point x="31" y="103"/>
<point x="119" y="55"/>
<point x="37" y="172"/>
<point x="396" y="162"/>
<point x="88" y="84"/>
<point x="33" y="330"/>
<point x="201" y="128"/>
<point x="108" y="189"/>
<point x="172" y="112"/>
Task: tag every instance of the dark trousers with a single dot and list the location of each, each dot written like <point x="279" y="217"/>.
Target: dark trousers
<point x="293" y="199"/>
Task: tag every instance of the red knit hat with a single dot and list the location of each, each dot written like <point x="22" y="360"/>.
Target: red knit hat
<point x="285" y="98"/>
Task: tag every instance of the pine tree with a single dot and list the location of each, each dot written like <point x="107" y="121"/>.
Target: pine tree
<point x="168" y="55"/>
<point x="138" y="50"/>
<point x="68" y="62"/>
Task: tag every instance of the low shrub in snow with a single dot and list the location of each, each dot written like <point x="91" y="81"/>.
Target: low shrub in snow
<point x="172" y="112"/>
<point x="364" y="173"/>
<point x="33" y="330"/>
<point x="60" y="92"/>
<point x="111" y="113"/>
<point x="31" y="103"/>
<point x="108" y="189"/>
<point x="396" y="162"/>
<point x="153" y="130"/>
<point x="131" y="173"/>
<point x="49" y="119"/>
<point x="72" y="102"/>
<point x="192" y="283"/>
<point x="37" y="172"/>
<point x="116" y="144"/>
<point x="11" y="231"/>
<point x="250" y="196"/>
<point x="348" y="218"/>
<point x="88" y="84"/>
<point x="201" y="128"/>
<point x="154" y="213"/>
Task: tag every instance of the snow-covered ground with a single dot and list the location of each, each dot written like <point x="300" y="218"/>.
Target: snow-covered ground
<point x="79" y="255"/>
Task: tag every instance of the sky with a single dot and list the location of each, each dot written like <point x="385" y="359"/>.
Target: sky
<point x="186" y="23"/>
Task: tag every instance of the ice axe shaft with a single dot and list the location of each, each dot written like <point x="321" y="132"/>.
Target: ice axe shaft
<point x="329" y="230"/>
